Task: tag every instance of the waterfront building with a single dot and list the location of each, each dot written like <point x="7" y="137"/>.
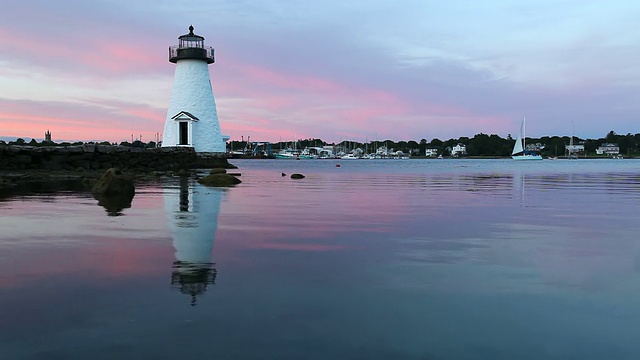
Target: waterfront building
<point x="192" y="118"/>
<point x="608" y="148"/>
<point x="431" y="152"/>
<point x="574" y="149"/>
<point x="537" y="147"/>
<point x="459" y="150"/>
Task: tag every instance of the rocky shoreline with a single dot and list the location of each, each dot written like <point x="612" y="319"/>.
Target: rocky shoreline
<point x="34" y="168"/>
<point x="101" y="157"/>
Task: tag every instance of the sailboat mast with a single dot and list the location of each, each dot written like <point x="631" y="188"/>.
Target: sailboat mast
<point x="524" y="135"/>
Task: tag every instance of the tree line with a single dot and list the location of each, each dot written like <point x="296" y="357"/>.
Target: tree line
<point x="479" y="145"/>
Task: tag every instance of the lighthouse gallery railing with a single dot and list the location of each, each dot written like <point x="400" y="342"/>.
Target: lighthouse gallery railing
<point x="205" y="53"/>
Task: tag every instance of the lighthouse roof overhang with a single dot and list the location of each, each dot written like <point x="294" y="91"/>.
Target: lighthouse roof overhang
<point x="190" y="37"/>
<point x="184" y="115"/>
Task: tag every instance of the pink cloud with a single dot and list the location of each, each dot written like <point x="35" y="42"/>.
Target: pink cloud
<point x="72" y="121"/>
<point x="100" y="55"/>
<point x="276" y="104"/>
<point x="302" y="106"/>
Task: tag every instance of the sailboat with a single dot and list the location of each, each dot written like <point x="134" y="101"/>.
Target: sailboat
<point x="519" y="152"/>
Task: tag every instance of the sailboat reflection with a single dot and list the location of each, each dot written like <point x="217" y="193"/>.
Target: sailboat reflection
<point x="192" y="211"/>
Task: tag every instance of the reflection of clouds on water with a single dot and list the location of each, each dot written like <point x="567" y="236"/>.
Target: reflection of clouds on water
<point x="523" y="257"/>
<point x="192" y="212"/>
<point x="568" y="230"/>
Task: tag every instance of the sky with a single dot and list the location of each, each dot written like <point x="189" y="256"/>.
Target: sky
<point x="335" y="70"/>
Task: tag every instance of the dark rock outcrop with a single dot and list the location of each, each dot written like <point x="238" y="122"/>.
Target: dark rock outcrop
<point x="217" y="171"/>
<point x="113" y="182"/>
<point x="114" y="191"/>
<point x="219" y="180"/>
<point x="101" y="157"/>
<point x="297" y="176"/>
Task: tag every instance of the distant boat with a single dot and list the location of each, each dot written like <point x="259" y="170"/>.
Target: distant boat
<point x="570" y="149"/>
<point x="287" y="153"/>
<point x="349" y="157"/>
<point x="519" y="152"/>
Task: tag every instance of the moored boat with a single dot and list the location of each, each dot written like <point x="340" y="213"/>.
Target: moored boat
<point x="519" y="149"/>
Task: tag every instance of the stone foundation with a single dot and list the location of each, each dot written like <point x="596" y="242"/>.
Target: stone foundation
<point x="101" y="157"/>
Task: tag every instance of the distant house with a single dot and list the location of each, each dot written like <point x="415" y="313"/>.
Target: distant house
<point x="537" y="147"/>
<point x="574" y="149"/>
<point x="430" y="152"/>
<point x="609" y="149"/>
<point x="459" y="150"/>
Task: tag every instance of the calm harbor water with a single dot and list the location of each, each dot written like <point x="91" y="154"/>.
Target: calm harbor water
<point x="375" y="259"/>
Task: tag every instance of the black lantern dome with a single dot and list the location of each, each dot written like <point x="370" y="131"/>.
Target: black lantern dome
<point x="191" y="46"/>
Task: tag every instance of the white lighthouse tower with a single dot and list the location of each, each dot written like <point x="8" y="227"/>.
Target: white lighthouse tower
<point x="192" y="119"/>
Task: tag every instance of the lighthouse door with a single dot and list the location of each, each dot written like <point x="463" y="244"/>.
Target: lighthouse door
<point x="183" y="133"/>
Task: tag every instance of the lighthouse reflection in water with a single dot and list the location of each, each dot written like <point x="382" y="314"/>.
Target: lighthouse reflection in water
<point x="192" y="212"/>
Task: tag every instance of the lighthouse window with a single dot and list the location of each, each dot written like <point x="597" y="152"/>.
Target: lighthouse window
<point x="191" y="42"/>
<point x="184" y="133"/>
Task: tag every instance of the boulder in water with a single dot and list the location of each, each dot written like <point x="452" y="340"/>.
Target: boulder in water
<point x="114" y="182"/>
<point x="217" y="171"/>
<point x="219" y="180"/>
<point x="114" y="191"/>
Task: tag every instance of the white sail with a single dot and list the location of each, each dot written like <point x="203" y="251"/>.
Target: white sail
<point x="518" y="148"/>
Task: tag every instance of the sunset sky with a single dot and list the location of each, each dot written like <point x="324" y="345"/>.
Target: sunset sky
<point x="357" y="70"/>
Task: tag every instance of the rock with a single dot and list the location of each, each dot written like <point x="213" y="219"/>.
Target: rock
<point x="114" y="204"/>
<point x="105" y="149"/>
<point x="113" y="182"/>
<point x="4" y="183"/>
<point x="283" y="174"/>
<point x="235" y="174"/>
<point x="217" y="171"/>
<point x="75" y="149"/>
<point x="219" y="180"/>
<point x="89" y="181"/>
<point x="297" y="176"/>
<point x="114" y="191"/>
<point x="22" y="159"/>
<point x="89" y="148"/>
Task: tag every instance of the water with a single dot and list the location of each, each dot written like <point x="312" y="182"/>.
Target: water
<point x="391" y="259"/>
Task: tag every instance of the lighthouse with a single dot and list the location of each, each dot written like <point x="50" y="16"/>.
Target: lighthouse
<point x="192" y="118"/>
